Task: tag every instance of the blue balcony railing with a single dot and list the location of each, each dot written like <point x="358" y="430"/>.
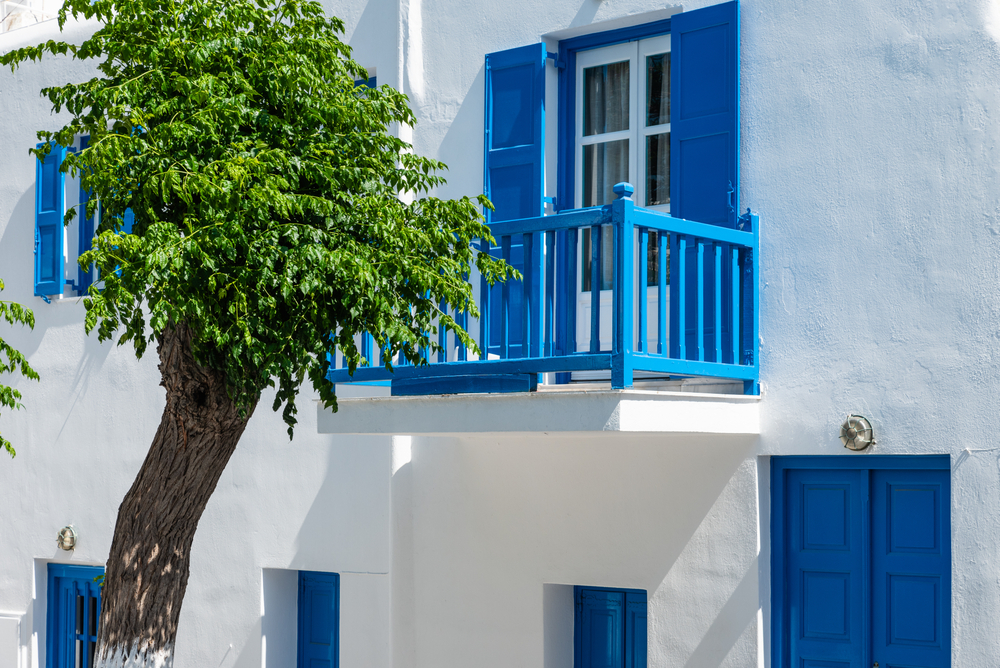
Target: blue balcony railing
<point x="697" y="318"/>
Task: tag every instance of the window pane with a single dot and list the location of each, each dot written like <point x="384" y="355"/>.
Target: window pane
<point x="80" y="660"/>
<point x="657" y="89"/>
<point x="653" y="260"/>
<point x="607" y="258"/>
<point x="604" y="165"/>
<point x="605" y="98"/>
<point x="658" y="169"/>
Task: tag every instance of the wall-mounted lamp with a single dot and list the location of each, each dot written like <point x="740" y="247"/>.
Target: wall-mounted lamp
<point x="856" y="433"/>
<point x="66" y="540"/>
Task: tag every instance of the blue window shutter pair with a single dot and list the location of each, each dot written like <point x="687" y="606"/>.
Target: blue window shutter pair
<point x="514" y="171"/>
<point x="85" y="278"/>
<point x="610" y="628"/>
<point x="73" y="613"/>
<point x="50" y="207"/>
<point x="319" y="620"/>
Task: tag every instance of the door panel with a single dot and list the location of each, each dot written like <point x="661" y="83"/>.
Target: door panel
<point x="824" y="560"/>
<point x="911" y="568"/>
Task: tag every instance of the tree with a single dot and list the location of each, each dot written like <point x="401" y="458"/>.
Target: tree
<point x="13" y="313"/>
<point x="268" y="225"/>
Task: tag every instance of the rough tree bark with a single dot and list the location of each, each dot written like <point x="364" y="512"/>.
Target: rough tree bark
<point x="148" y="566"/>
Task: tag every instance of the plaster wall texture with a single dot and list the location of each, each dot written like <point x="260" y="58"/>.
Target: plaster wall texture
<point x="869" y="141"/>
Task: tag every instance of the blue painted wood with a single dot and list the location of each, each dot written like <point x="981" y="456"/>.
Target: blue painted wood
<point x="656" y="220"/>
<point x="717" y="325"/>
<point x="466" y="384"/>
<point x="568" y="49"/>
<point x="699" y="313"/>
<point x="623" y="296"/>
<point x="549" y="339"/>
<point x="595" y="287"/>
<point x="911" y="568"/>
<point x="635" y="629"/>
<point x="600" y="629"/>
<point x="704" y="123"/>
<point x="577" y="362"/>
<point x="577" y="218"/>
<point x="861" y="561"/>
<point x="529" y="305"/>
<point x="505" y="306"/>
<point x="680" y="367"/>
<point x="72" y="617"/>
<point x="514" y="164"/>
<point x="734" y="272"/>
<point x="86" y="232"/>
<point x="641" y="288"/>
<point x="486" y="326"/>
<point x="678" y="295"/>
<point x="318" y="620"/>
<point x="823" y="576"/>
<point x="442" y="335"/>
<point x="50" y="207"/>
<point x="661" y="295"/>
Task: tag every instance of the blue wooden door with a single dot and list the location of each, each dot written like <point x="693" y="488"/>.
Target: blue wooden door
<point x="601" y="632"/>
<point x="824" y="567"/>
<point x="911" y="568"/>
<point x="862" y="563"/>
<point x="319" y="620"/>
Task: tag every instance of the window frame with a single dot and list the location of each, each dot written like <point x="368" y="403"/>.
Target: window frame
<point x="567" y="98"/>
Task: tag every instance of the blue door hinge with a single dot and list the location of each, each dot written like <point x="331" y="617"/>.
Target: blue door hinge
<point x="550" y="200"/>
<point x="555" y="60"/>
<point x="743" y="222"/>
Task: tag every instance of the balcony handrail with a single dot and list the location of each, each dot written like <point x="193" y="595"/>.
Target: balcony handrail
<point x="709" y="304"/>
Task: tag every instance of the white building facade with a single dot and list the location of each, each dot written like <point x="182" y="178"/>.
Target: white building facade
<point x="715" y="518"/>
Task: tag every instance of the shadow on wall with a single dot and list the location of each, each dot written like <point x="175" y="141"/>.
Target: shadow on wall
<point x="494" y="520"/>
<point x="17" y="269"/>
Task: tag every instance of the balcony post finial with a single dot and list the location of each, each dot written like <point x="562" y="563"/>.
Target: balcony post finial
<point x="623" y="190"/>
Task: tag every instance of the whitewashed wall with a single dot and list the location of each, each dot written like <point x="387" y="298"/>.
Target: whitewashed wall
<point x="869" y="148"/>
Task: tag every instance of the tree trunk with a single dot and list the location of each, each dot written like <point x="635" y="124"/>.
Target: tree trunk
<point x="147" y="569"/>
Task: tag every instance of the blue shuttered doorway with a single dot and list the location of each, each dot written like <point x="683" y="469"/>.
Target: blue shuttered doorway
<point x="861" y="562"/>
<point x="319" y="620"/>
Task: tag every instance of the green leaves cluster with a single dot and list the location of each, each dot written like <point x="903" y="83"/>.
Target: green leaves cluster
<point x="266" y="189"/>
<point x="12" y="361"/>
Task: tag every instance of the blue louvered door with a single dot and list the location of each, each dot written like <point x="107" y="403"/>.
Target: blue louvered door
<point x="865" y="564"/>
<point x="319" y="620"/>
<point x="74" y="613"/>
<point x="514" y="170"/>
<point x="704" y="186"/>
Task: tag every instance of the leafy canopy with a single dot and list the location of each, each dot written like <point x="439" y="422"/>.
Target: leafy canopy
<point x="11" y="361"/>
<point x="266" y="192"/>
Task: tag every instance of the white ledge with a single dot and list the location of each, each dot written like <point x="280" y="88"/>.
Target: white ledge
<point x="573" y="411"/>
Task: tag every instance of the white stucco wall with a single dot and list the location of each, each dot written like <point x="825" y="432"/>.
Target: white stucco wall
<point x="869" y="149"/>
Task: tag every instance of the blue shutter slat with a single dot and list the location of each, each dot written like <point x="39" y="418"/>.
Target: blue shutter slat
<point x="319" y="620"/>
<point x="704" y="123"/>
<point x="514" y="170"/>
<point x="50" y="207"/>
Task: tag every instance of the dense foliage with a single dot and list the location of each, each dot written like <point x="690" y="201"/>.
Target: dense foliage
<point x="12" y="361"/>
<point x="274" y="208"/>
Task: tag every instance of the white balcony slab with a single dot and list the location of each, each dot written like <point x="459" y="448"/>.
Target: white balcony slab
<point x="586" y="411"/>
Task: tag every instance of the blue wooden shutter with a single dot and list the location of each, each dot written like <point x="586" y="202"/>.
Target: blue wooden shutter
<point x="635" y="629"/>
<point x="85" y="277"/>
<point x="704" y="124"/>
<point x="704" y="165"/>
<point x="514" y="173"/>
<point x="50" y="207"/>
<point x="600" y="628"/>
<point x="319" y="620"/>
